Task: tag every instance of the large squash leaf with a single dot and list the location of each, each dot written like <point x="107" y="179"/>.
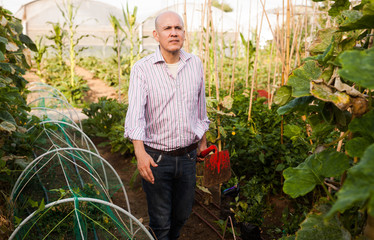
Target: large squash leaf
<point x="324" y="92"/>
<point x="357" y="146"/>
<point x="354" y="19"/>
<point x="358" y="67"/>
<point x="314" y="227"/>
<point x="283" y="95"/>
<point x="301" y="77"/>
<point x="303" y="179"/>
<point x="358" y="188"/>
<point x="297" y="104"/>
<point x="363" y="125"/>
<point x="323" y="40"/>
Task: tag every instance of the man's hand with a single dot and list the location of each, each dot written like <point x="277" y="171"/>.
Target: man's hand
<point x="201" y="147"/>
<point x="144" y="161"/>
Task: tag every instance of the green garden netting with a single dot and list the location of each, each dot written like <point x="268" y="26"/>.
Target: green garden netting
<point x="68" y="191"/>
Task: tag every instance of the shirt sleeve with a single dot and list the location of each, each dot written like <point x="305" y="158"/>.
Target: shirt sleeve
<point x="135" y="117"/>
<point x="202" y="112"/>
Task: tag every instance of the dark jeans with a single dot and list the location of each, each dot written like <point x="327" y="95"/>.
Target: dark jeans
<point x="171" y="197"/>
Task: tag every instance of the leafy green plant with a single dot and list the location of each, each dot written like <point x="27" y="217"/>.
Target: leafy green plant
<point x="254" y="146"/>
<point x="333" y="89"/>
<point x="106" y="119"/>
<point x="251" y="205"/>
<point x="15" y="141"/>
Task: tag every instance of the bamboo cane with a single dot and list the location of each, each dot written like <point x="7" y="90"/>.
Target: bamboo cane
<point x="276" y="63"/>
<point x="269" y="71"/>
<point x="297" y="55"/>
<point x="247" y="62"/>
<point x="288" y="35"/>
<point x="294" y="41"/>
<point x="306" y="29"/>
<point x="202" y="32"/>
<point x="207" y="34"/>
<point x="187" y="42"/>
<point x="234" y="62"/>
<point x="222" y="51"/>
<point x="216" y="80"/>
<point x="279" y="45"/>
<point x="255" y="64"/>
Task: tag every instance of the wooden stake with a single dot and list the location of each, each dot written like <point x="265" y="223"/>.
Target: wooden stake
<point x="247" y="62"/>
<point x="222" y="50"/>
<point x="202" y="32"/>
<point x="216" y="79"/>
<point x="207" y="34"/>
<point x="254" y="76"/>
<point x="234" y="62"/>
<point x="288" y="36"/>
<point x="306" y="29"/>
<point x="269" y="71"/>
<point x="187" y="42"/>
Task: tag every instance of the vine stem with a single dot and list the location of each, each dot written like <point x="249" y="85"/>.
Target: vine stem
<point x="328" y="193"/>
<point x="337" y="140"/>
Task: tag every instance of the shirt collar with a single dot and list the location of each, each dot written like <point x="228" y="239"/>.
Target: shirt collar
<point x="184" y="56"/>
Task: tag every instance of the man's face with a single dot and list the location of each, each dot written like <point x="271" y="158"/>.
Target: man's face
<point x="169" y="32"/>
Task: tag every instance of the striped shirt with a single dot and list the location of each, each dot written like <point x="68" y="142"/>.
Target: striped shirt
<point x="164" y="112"/>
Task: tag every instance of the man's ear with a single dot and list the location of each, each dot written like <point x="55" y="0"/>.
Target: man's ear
<point x="155" y="35"/>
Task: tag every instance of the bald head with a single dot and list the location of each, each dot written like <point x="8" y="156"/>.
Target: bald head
<point x="164" y="15"/>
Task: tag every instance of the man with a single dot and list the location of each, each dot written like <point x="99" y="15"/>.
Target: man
<point x="167" y="121"/>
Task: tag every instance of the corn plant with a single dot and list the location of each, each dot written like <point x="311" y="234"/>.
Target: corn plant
<point x="58" y="35"/>
<point x="117" y="43"/>
<point x="130" y="23"/>
<point x="76" y="87"/>
<point x="38" y="57"/>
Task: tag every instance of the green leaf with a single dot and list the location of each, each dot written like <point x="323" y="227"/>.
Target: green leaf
<point x="3" y="40"/>
<point x="28" y="42"/>
<point x="6" y="116"/>
<point x="303" y="179"/>
<point x="358" y="188"/>
<point x="314" y="227"/>
<point x="32" y="203"/>
<point x="6" y="67"/>
<point x="280" y="167"/>
<point x="324" y="92"/>
<point x="323" y="40"/>
<point x="358" y="67"/>
<point x="298" y="104"/>
<point x="354" y="20"/>
<point x="291" y="130"/>
<point x="41" y="206"/>
<point x="301" y="77"/>
<point x="283" y="95"/>
<point x="357" y="146"/>
<point x="363" y="125"/>
<point x="338" y="6"/>
<point x="2" y="57"/>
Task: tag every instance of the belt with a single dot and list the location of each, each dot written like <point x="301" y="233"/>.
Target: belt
<point x="176" y="152"/>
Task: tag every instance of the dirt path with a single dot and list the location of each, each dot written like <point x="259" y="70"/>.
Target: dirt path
<point x="98" y="88"/>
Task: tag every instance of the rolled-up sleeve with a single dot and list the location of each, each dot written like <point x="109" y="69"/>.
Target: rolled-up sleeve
<point x="135" y="118"/>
